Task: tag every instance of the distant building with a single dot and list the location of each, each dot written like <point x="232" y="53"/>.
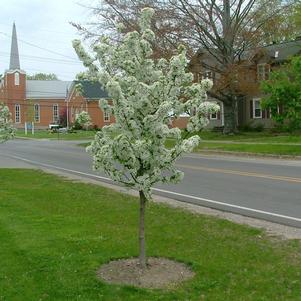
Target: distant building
<point x="50" y="101"/>
<point x="254" y="67"/>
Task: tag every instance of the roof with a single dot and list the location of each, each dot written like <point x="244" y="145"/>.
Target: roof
<point x="274" y="52"/>
<point x="47" y="89"/>
<point x="92" y="90"/>
<point x="14" y="51"/>
<point x="283" y="50"/>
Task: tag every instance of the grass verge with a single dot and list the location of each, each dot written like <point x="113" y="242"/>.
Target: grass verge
<point x="54" y="235"/>
<point x="273" y="149"/>
<point x="262" y="137"/>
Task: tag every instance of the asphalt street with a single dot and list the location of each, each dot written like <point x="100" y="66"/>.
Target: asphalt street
<point x="265" y="188"/>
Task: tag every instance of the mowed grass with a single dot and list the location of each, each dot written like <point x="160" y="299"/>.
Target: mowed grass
<point x="45" y="134"/>
<point x="54" y="235"/>
<point x="262" y="137"/>
<point x="273" y="149"/>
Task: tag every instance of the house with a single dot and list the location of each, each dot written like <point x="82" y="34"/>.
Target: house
<point x="252" y="68"/>
<point x="46" y="102"/>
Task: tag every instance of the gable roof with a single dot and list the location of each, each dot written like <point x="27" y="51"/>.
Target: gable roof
<point x="47" y="89"/>
<point x="91" y="90"/>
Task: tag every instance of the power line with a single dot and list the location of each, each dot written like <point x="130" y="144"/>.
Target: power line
<point x="36" y="46"/>
<point x="40" y="58"/>
<point x="39" y="29"/>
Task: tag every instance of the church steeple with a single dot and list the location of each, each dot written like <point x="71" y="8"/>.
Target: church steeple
<point x="14" y="52"/>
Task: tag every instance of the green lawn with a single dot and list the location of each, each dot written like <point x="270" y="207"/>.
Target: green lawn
<point x="44" y="134"/>
<point x="273" y="149"/>
<point x="54" y="234"/>
<point x="265" y="137"/>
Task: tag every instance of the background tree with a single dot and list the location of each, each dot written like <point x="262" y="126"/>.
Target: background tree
<point x="7" y="130"/>
<point x="297" y="16"/>
<point x="224" y="29"/>
<point x="145" y="95"/>
<point x="63" y="117"/>
<point x="283" y="91"/>
<point x="42" y="76"/>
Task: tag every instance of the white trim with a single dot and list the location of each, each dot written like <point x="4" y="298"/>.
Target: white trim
<point x="222" y="114"/>
<point x="106" y="116"/>
<point x="15" y="70"/>
<point x="17" y="79"/>
<point x="254" y="101"/>
<point x="265" y="73"/>
<point x="19" y="113"/>
<point x="213" y="118"/>
<point x="53" y="116"/>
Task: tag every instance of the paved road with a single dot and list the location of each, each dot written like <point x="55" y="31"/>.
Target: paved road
<point x="264" y="188"/>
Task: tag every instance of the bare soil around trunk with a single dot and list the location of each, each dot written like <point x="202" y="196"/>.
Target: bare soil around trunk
<point x="161" y="273"/>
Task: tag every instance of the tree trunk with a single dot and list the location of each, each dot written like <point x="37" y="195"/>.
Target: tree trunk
<point x="230" y="117"/>
<point x="142" y="255"/>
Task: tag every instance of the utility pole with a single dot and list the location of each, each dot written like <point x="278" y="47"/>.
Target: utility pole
<point x="67" y="113"/>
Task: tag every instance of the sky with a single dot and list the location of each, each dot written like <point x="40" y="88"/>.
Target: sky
<point x="45" y="25"/>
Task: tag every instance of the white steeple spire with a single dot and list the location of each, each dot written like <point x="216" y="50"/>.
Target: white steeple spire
<point x="14" y="52"/>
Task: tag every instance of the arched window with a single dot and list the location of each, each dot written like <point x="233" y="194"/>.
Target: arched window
<point x="36" y="112"/>
<point x="17" y="79"/>
<point x="55" y="113"/>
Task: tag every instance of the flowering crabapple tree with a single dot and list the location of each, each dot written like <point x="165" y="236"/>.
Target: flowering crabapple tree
<point x="7" y="131"/>
<point x="146" y="96"/>
<point x="83" y="119"/>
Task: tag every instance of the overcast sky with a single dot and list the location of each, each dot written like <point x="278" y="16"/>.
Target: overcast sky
<point x="44" y="23"/>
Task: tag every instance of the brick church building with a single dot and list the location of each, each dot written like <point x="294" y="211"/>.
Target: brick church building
<point x="46" y="102"/>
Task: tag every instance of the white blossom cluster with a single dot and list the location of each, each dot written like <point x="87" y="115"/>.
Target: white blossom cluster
<point x="84" y="119"/>
<point x="7" y="131"/>
<point x="133" y="150"/>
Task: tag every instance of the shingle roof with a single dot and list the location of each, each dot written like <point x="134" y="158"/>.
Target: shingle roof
<point x="47" y="89"/>
<point x="92" y="90"/>
<point x="285" y="50"/>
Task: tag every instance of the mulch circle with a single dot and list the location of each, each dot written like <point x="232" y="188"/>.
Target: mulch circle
<point x="160" y="273"/>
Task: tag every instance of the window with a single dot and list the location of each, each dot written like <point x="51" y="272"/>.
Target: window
<point x="213" y="116"/>
<point x="36" y="113"/>
<point x="17" y="79"/>
<point x="257" y="112"/>
<point x="106" y="116"/>
<point x="17" y="113"/>
<point x="56" y="113"/>
<point x="207" y="74"/>
<point x="263" y="71"/>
